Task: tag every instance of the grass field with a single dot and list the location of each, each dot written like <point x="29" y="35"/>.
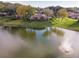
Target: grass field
<point x="64" y="23"/>
<point x="75" y="26"/>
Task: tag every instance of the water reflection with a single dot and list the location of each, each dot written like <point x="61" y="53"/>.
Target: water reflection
<point x="38" y="44"/>
<point x="49" y="42"/>
<point x="69" y="42"/>
<point x="9" y="44"/>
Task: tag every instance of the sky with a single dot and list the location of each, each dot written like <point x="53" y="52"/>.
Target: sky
<point x="43" y="4"/>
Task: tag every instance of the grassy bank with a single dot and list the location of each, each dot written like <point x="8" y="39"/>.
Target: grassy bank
<point x="65" y="23"/>
<point x="38" y="24"/>
<point x="75" y="26"/>
<point x="22" y="23"/>
<point x="55" y="22"/>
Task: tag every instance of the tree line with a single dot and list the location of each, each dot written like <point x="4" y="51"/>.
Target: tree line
<point x="25" y="11"/>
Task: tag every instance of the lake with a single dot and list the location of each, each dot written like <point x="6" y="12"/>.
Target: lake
<point x="44" y="43"/>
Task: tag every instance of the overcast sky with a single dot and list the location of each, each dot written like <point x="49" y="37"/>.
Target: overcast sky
<point x="49" y="3"/>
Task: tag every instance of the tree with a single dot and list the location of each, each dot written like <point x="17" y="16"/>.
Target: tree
<point x="25" y="11"/>
<point x="48" y="12"/>
<point x="2" y="6"/>
<point x="21" y="10"/>
<point x="10" y="9"/>
<point x="62" y="13"/>
<point x="56" y="10"/>
<point x="29" y="13"/>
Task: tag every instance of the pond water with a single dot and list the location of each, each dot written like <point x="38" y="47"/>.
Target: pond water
<point x="49" y="43"/>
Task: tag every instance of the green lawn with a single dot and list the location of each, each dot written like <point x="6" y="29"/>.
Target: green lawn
<point x="75" y="26"/>
<point x="13" y="23"/>
<point x="65" y="22"/>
